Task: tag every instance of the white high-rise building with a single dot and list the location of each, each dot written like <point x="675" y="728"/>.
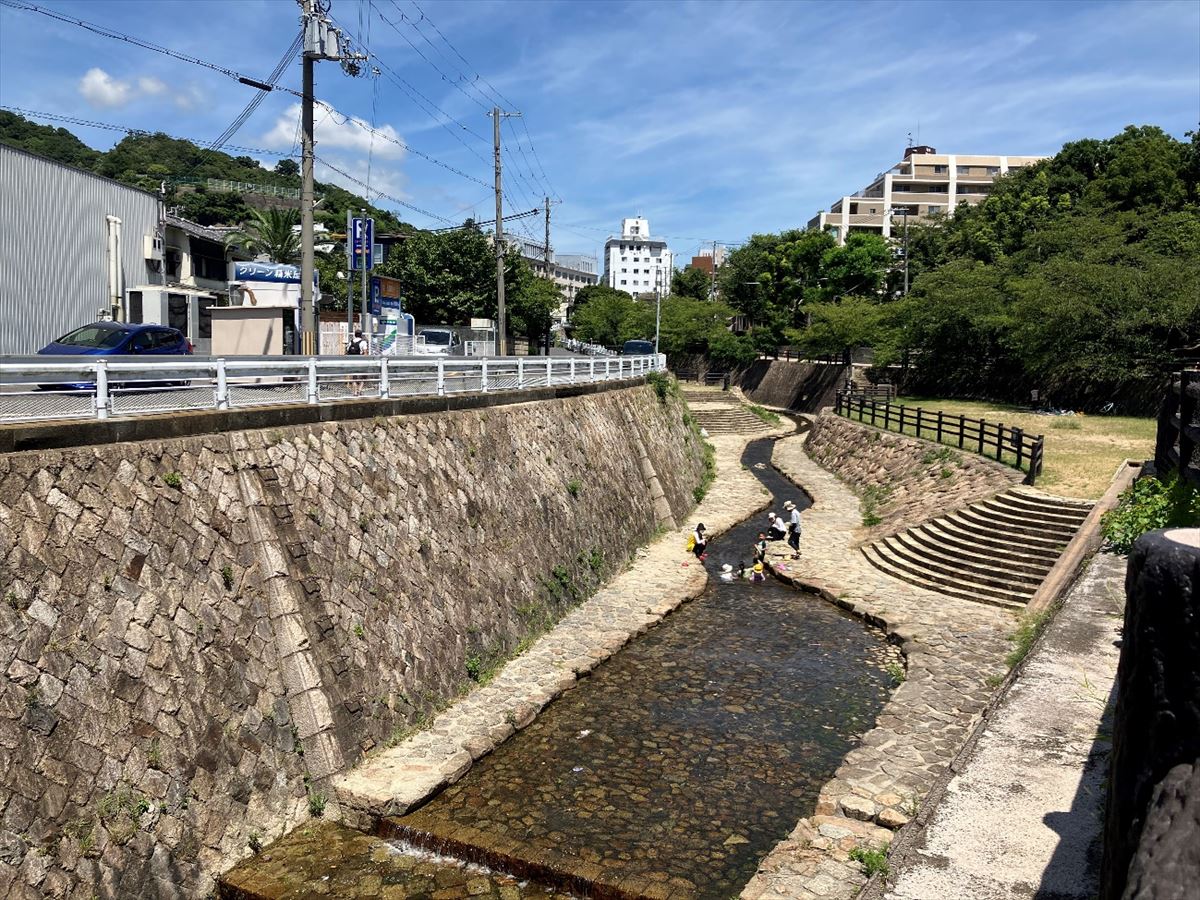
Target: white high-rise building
<point x="637" y="263"/>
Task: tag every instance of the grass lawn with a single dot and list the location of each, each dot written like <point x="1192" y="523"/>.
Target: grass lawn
<point x="1082" y="452"/>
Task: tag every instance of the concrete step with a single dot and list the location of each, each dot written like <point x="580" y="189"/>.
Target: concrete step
<point x="961" y="590"/>
<point x="951" y="572"/>
<point x="990" y="521"/>
<point x="948" y="535"/>
<point x="1037" y="498"/>
<point x="974" y="559"/>
<point x="972" y="530"/>
<point x="1010" y="505"/>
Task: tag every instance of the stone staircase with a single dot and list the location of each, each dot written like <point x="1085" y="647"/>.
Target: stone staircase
<point x="996" y="551"/>
<point x="720" y="412"/>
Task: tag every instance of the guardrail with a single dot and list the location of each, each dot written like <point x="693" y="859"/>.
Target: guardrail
<point x="986" y="438"/>
<point x="91" y="387"/>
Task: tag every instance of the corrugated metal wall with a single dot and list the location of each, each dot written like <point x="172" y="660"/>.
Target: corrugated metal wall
<point x="54" y="246"/>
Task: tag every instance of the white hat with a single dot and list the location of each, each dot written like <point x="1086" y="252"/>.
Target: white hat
<point x="727" y="568"/>
<point x="789" y="505"/>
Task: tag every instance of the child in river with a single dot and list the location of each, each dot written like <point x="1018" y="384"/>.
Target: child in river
<point x="758" y="577"/>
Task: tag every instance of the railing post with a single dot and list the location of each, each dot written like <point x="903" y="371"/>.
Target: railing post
<point x="483" y="376"/>
<point x="314" y="396"/>
<point x="385" y="389"/>
<point x="102" y="398"/>
<point x="222" y="384"/>
<point x="1019" y="442"/>
<point x="572" y="370"/>
<point x="441" y="377"/>
<point x="591" y="368"/>
<point x="607" y="373"/>
<point x="520" y="371"/>
<point x="549" y="370"/>
<point x="962" y="431"/>
<point x="982" y="430"/>
<point x="939" y="426"/>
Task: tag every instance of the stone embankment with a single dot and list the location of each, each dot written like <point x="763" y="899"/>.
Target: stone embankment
<point x="197" y="633"/>
<point x="794" y="385"/>
<point x="903" y="481"/>
<point x="954" y="649"/>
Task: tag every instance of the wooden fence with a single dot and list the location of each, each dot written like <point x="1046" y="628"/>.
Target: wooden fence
<point x="1179" y="428"/>
<point x="1006" y="444"/>
<point x="884" y="392"/>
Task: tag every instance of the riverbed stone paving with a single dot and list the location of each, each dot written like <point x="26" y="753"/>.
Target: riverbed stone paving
<point x="952" y="648"/>
<point x="662" y="576"/>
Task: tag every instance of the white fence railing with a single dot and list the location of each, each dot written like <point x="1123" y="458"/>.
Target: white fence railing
<point x="91" y="387"/>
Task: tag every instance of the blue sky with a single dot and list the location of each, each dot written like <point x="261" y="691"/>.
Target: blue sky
<point x="715" y="120"/>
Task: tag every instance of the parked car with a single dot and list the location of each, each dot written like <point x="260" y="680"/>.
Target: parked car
<point x="637" y="348"/>
<point x="438" y="342"/>
<point x="116" y="339"/>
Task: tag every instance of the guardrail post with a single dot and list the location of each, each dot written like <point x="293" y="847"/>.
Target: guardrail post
<point x="607" y="370"/>
<point x="549" y="370"/>
<point x="385" y="389"/>
<point x="483" y="379"/>
<point x="222" y="385"/>
<point x="520" y="371"/>
<point x="441" y="377"/>
<point x="314" y="396"/>
<point x="1018" y="439"/>
<point x="591" y="368"/>
<point x="102" y="398"/>
<point x="572" y="370"/>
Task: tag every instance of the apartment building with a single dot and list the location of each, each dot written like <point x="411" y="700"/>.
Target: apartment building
<point x="924" y="183"/>
<point x="570" y="271"/>
<point x="637" y="263"/>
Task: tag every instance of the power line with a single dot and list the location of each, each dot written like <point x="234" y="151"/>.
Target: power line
<point x="145" y="45"/>
<point x="446" y="78"/>
<point x="380" y="194"/>
<point x="533" y="149"/>
<point x="508" y="218"/>
<point x="504" y="101"/>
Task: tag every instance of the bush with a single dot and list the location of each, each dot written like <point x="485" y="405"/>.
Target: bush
<point x="664" y="385"/>
<point x="1148" y="504"/>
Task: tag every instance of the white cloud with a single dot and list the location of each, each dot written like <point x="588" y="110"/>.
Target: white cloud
<point x="101" y="89"/>
<point x="333" y="129"/>
<point x="152" y="86"/>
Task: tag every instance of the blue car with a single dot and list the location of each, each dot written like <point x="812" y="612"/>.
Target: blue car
<point x="115" y="339"/>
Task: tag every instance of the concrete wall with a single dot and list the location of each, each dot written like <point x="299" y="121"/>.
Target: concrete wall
<point x="907" y="481"/>
<point x="196" y="632"/>
<point x="799" y="386"/>
<point x="1152" y="817"/>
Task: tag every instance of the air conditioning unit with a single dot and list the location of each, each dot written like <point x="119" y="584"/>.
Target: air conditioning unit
<point x="152" y="247"/>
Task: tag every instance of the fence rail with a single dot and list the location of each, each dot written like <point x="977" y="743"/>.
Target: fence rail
<point x="1006" y="444"/>
<point x="1175" y="449"/>
<point x="884" y="392"/>
<point x="91" y="387"/>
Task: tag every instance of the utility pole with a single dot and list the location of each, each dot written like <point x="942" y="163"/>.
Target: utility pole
<point x="658" y="282"/>
<point x="501" y="332"/>
<point x="546" y="257"/>
<point x="362" y="316"/>
<point x="321" y="41"/>
<point x="712" y="294"/>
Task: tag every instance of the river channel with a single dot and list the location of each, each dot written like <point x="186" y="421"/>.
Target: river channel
<point x="677" y="764"/>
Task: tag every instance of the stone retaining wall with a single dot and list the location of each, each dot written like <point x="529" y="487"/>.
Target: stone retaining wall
<point x="197" y="633"/>
<point x="903" y="481"/>
<point x="799" y="386"/>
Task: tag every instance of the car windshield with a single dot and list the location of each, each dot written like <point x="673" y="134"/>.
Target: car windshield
<point x="436" y="337"/>
<point x="93" y="336"/>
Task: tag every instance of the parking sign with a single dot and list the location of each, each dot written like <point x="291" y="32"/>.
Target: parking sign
<point x="362" y="243"/>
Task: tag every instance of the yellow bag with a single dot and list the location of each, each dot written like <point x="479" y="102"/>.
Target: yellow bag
<point x="691" y="542"/>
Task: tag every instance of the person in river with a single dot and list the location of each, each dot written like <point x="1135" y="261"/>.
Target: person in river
<point x="760" y="548"/>
<point x="793" y="534"/>
<point x="699" y="542"/>
<point x="758" y="577"/>
<point x="741" y="569"/>
<point x="727" y="572"/>
<point x="776" y="528"/>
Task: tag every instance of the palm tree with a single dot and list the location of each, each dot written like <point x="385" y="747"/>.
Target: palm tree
<point x="270" y="233"/>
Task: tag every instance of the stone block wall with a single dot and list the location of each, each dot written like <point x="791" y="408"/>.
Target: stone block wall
<point x="1152" y="814"/>
<point x="799" y="386"/>
<point x="903" y="480"/>
<point x="196" y="633"/>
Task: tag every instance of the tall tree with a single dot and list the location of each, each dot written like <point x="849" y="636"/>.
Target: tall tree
<point x="692" y="282"/>
<point x="270" y="233"/>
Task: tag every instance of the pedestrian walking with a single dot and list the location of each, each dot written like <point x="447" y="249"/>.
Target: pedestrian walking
<point x="793" y="534"/>
<point x="356" y="347"/>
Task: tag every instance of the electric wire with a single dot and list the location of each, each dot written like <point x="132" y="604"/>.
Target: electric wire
<point x="446" y="78"/>
<point x="380" y="194"/>
<point x="140" y="42"/>
<point x="504" y="101"/>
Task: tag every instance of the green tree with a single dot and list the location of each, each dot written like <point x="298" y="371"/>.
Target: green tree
<point x="288" y="168"/>
<point x="605" y="318"/>
<point x="270" y="233"/>
<point x="692" y="282"/>
<point x="533" y="305"/>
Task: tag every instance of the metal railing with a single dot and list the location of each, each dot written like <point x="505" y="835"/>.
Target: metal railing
<point x="91" y="387"/>
<point x="1006" y="444"/>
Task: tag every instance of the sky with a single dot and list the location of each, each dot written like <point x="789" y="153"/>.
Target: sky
<point x="715" y="120"/>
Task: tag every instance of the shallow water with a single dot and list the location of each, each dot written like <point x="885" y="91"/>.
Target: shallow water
<point x="678" y="763"/>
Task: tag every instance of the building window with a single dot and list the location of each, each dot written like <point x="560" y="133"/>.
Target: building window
<point x="993" y="170"/>
<point x="964" y="170"/>
<point x="622" y="281"/>
<point x="623" y="271"/>
<point x="939" y="170"/>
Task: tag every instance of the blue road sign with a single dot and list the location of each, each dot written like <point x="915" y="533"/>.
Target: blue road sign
<point x="362" y="243"/>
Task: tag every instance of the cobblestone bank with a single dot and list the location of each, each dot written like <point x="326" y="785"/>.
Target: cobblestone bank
<point x="660" y="578"/>
<point x="904" y="481"/>
<point x="195" y="634"/>
<point x="952" y="647"/>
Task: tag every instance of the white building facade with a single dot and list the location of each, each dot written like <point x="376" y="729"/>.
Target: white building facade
<point x="637" y="263"/>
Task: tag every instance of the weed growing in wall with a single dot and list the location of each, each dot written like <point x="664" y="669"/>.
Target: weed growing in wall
<point x="665" y="385"/>
<point x="316" y="805"/>
<point x="173" y="479"/>
<point x="873" y="497"/>
<point x="227" y="576"/>
<point x="1148" y="504"/>
<point x="765" y="414"/>
<point x="1030" y="627"/>
<point x="574" y="486"/>
<point x="870" y="860"/>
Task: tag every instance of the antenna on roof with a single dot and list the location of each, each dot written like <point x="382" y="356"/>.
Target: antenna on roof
<point x="910" y="141"/>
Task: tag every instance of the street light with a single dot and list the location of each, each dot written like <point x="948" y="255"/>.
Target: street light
<point x="903" y="210"/>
